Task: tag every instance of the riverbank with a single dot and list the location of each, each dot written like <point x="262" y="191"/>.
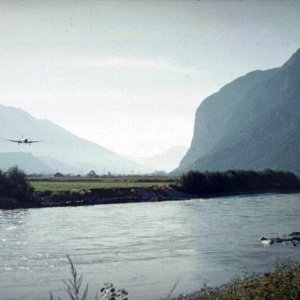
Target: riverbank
<point x="111" y="196"/>
<point x="283" y="283"/>
<point x="77" y="197"/>
<point x="74" y="191"/>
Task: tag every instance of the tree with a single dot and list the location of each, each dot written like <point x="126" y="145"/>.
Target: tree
<point x="14" y="184"/>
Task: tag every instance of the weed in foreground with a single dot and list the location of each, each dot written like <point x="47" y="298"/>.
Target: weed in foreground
<point x="74" y="287"/>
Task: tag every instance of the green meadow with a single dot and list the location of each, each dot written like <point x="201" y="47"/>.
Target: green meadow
<point x="74" y="183"/>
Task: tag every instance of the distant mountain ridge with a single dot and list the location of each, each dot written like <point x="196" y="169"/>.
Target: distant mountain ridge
<point x="59" y="145"/>
<point x="251" y="123"/>
<point x="166" y="161"/>
<point x="25" y="161"/>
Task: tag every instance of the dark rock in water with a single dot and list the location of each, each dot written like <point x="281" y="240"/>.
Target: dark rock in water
<point x="295" y="233"/>
<point x="292" y="238"/>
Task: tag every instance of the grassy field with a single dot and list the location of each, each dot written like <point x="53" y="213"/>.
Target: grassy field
<point x="71" y="183"/>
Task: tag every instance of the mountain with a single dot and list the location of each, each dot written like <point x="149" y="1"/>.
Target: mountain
<point x="251" y="123"/>
<point x="57" y="165"/>
<point x="25" y="161"/>
<point x="59" y="145"/>
<point x="167" y="161"/>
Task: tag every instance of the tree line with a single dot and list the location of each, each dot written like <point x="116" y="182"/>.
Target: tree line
<point x="16" y="191"/>
<point x="237" y="181"/>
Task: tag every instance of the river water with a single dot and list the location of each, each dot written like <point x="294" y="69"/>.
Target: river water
<point x="144" y="247"/>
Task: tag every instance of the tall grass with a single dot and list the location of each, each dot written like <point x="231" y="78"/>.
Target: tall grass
<point x="282" y="284"/>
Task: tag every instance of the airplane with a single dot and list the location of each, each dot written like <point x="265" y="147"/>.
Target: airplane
<point x="23" y="141"/>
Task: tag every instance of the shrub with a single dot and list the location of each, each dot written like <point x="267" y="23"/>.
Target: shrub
<point x="14" y="185"/>
<point x="284" y="283"/>
<point x="238" y="181"/>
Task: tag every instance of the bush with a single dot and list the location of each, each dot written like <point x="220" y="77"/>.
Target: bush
<point x="238" y="181"/>
<point x="14" y="185"/>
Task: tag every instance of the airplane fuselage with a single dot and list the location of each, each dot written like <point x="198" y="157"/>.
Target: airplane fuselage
<point x="24" y="141"/>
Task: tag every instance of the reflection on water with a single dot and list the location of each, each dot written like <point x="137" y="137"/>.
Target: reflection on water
<point x="144" y="247"/>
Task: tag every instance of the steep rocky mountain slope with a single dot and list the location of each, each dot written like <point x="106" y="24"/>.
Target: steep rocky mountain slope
<point x="251" y="123"/>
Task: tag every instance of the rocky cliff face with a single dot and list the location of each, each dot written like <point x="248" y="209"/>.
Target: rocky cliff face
<point x="251" y="123"/>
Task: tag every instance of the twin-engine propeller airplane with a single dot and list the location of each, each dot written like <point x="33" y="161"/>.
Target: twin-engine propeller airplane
<point x="23" y="141"/>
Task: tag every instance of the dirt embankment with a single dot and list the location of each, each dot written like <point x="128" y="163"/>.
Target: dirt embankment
<point x="110" y="196"/>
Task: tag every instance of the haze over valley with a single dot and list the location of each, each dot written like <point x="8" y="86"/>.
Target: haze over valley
<point x="59" y="150"/>
<point x="129" y="76"/>
<point x="152" y="146"/>
<point x="251" y="123"/>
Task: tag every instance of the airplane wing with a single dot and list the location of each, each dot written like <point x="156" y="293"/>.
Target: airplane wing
<point x="33" y="142"/>
<point x="14" y="141"/>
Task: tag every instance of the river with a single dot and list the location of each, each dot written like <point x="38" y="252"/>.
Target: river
<point x="144" y="247"/>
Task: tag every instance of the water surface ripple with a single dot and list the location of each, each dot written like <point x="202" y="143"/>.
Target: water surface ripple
<point x="145" y="247"/>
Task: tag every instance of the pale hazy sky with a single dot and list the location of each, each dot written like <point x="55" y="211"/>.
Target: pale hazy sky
<point x="129" y="75"/>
